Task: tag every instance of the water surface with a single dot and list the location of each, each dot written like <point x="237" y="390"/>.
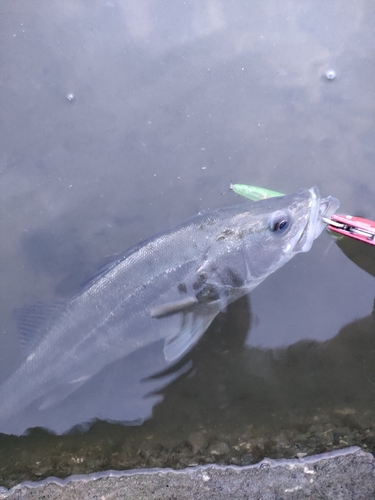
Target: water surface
<point x="119" y="120"/>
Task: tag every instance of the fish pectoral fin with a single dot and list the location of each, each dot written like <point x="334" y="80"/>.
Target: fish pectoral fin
<point x="172" y="307"/>
<point x="193" y="327"/>
<point x="62" y="392"/>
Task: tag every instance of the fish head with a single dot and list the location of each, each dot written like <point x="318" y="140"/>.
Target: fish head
<point x="276" y="229"/>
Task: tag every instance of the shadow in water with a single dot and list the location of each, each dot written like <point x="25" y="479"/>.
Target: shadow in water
<point x="239" y="386"/>
<point x="225" y="403"/>
<point x="126" y="391"/>
<point x="362" y="254"/>
<point x="215" y="378"/>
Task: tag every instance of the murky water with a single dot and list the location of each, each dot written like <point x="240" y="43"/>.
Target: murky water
<point x="119" y="120"/>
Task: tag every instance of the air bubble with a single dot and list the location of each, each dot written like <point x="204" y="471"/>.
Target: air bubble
<point x="70" y="97"/>
<point x="331" y="74"/>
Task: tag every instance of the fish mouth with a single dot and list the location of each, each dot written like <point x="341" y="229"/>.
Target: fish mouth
<point x="319" y="208"/>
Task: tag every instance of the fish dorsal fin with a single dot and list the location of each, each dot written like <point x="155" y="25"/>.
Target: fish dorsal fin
<point x="34" y="322"/>
<point x="192" y="328"/>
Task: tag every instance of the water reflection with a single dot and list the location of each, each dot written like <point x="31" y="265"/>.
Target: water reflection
<point x="363" y="255"/>
<point x="170" y="106"/>
<point x="127" y="391"/>
<point x="121" y="392"/>
<point x="226" y="403"/>
<point x="216" y="377"/>
<point x="243" y="385"/>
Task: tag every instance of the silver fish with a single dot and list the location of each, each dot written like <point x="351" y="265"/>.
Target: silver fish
<point x="168" y="288"/>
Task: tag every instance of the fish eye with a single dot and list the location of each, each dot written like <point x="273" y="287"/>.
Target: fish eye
<point x="279" y="222"/>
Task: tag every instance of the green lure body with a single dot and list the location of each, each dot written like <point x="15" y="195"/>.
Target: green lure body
<point x="254" y="193"/>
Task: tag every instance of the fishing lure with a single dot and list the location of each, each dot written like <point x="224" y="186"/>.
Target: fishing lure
<point x="353" y="227"/>
<point x="253" y="192"/>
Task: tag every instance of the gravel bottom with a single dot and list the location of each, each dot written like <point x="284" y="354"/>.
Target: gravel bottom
<point x="107" y="446"/>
